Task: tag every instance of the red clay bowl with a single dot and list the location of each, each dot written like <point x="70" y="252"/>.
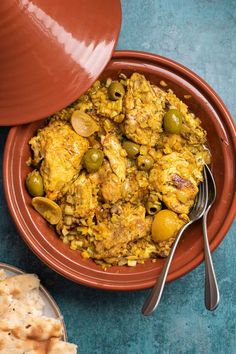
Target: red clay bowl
<point x="44" y="242"/>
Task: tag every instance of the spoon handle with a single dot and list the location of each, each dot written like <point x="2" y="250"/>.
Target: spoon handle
<point x="154" y="297"/>
<point x="212" y="296"/>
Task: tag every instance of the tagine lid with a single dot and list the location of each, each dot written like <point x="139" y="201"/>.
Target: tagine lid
<point x="51" y="54"/>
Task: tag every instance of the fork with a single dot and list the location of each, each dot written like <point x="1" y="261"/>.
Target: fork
<point x="196" y="213"/>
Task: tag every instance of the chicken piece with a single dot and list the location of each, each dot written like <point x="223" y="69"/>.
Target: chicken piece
<point x="111" y="188"/>
<point x="175" y="177"/>
<point x="135" y="186"/>
<point x="61" y="150"/>
<point x="130" y="188"/>
<point x="112" y="239"/>
<point x="80" y="201"/>
<point x="110" y="185"/>
<point x="114" y="152"/>
<point x="144" y="108"/>
<point x="133" y="189"/>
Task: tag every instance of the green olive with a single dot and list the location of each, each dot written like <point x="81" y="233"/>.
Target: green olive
<point x="93" y="160"/>
<point x="145" y="163"/>
<point x="165" y="225"/>
<point x="131" y="148"/>
<point x="116" y="91"/>
<point x="172" y="121"/>
<point x="153" y="207"/>
<point x="34" y="184"/>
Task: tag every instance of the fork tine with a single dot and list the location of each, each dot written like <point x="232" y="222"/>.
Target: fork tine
<point x="201" y="198"/>
<point x="200" y="195"/>
<point x="205" y="184"/>
<point x="200" y="202"/>
<point x="203" y="194"/>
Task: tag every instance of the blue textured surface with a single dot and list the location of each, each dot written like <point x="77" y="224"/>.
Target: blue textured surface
<point x="202" y="36"/>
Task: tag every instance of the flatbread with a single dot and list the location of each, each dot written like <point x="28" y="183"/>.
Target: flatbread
<point x="5" y="301"/>
<point x="59" y="347"/>
<point x="2" y="274"/>
<point x="36" y="328"/>
<point x="15" y="310"/>
<point x="12" y="345"/>
<point x="23" y="328"/>
<point x="19" y="285"/>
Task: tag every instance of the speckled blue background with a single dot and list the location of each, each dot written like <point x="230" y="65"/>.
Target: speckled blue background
<point x="201" y="35"/>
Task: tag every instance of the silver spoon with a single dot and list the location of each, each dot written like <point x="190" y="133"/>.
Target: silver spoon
<point x="212" y="296"/>
<point x="196" y="213"/>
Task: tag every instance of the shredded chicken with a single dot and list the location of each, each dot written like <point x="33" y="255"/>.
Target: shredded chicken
<point x="113" y="150"/>
<point x="144" y="111"/>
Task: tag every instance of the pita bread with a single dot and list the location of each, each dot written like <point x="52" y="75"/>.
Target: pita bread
<point x="10" y="344"/>
<point x="2" y="274"/>
<point x="59" y="347"/>
<point x="15" y="311"/>
<point x="36" y="328"/>
<point x="23" y="328"/>
<point x="5" y="301"/>
<point x="19" y="285"/>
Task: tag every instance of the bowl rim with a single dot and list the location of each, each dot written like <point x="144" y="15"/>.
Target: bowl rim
<point x="208" y="92"/>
